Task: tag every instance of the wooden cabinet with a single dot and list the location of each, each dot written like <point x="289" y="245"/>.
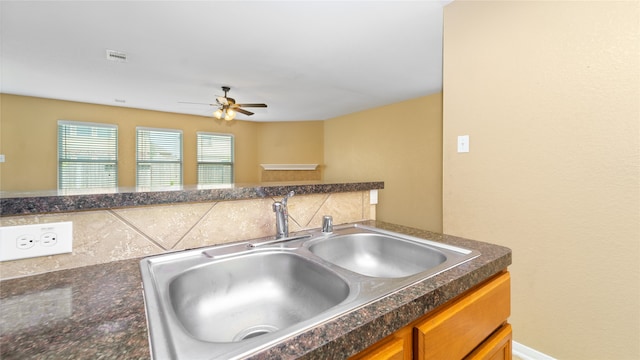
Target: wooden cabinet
<point x="497" y="347"/>
<point x="388" y="349"/>
<point x="472" y="326"/>
<point x="397" y="346"/>
<point x="455" y="330"/>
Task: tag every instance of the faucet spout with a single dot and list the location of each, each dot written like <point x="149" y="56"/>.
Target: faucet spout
<point x="282" y="216"/>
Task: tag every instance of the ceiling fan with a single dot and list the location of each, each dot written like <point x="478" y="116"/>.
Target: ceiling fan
<point x="227" y="107"/>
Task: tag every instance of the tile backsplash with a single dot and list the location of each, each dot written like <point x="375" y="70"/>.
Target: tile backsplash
<point x="101" y="236"/>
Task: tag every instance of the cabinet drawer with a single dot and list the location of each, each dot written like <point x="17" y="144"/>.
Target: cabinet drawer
<point x="454" y="331"/>
<point x="497" y="347"/>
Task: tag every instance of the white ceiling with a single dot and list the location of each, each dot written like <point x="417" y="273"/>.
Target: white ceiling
<point x="308" y="60"/>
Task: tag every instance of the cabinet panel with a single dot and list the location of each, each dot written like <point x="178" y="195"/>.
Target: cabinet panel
<point x="389" y="350"/>
<point x="497" y="347"/>
<point x="454" y="331"/>
<point x="394" y="347"/>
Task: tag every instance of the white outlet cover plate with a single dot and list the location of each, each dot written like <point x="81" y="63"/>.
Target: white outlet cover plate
<point x="27" y="241"/>
<point x="373" y="197"/>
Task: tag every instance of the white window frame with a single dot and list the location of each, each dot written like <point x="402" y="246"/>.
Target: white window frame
<point x="204" y="161"/>
<point x="151" y="159"/>
<point x="87" y="156"/>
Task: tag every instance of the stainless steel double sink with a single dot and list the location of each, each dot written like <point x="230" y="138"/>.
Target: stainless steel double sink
<point x="230" y="301"/>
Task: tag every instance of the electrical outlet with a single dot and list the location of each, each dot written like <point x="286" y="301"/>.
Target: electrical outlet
<point x="27" y="241"/>
<point x="373" y="197"/>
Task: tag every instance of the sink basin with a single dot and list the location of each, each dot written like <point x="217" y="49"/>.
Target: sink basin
<point x="243" y="297"/>
<point x="231" y="301"/>
<point x="378" y="255"/>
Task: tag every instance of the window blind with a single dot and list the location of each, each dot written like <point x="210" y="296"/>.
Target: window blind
<point x="87" y="155"/>
<point x="159" y="157"/>
<point x="215" y="158"/>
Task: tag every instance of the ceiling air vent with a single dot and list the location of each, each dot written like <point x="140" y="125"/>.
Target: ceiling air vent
<point x="117" y="56"/>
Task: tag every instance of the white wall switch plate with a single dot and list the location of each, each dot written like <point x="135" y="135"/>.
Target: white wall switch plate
<point x="463" y="143"/>
<point x="27" y="241"/>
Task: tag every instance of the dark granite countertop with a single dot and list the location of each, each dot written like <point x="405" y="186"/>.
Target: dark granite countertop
<point x="97" y="312"/>
<point x="22" y="203"/>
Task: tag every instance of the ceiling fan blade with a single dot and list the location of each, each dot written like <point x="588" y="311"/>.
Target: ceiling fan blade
<point x="242" y="111"/>
<point x="195" y="103"/>
<point x="252" y="105"/>
<point x="222" y="100"/>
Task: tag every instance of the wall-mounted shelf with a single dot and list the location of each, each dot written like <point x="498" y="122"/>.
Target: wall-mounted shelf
<point x="289" y="166"/>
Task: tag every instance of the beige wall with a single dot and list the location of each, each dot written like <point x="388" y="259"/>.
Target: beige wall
<point x="28" y="136"/>
<point x="549" y="94"/>
<point x="400" y="144"/>
<point x="277" y="139"/>
<point x="299" y="142"/>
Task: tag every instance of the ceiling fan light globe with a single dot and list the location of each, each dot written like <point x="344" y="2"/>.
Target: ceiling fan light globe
<point x="229" y="115"/>
<point x="217" y="114"/>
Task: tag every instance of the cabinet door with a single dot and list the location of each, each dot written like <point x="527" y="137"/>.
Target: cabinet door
<point x="386" y="350"/>
<point x="396" y="346"/>
<point x="454" y="331"/>
<point x="497" y="347"/>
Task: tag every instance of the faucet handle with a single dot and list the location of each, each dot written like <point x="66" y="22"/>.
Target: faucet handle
<point x="327" y="224"/>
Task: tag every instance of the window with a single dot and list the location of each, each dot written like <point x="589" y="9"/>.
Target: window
<point x="159" y="157"/>
<point x="215" y="158"/>
<point x="87" y="155"/>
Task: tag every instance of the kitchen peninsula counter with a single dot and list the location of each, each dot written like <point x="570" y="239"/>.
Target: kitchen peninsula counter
<point x="97" y="312"/>
<point x="37" y="202"/>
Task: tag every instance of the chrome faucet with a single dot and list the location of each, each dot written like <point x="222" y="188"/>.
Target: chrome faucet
<point x="282" y="216"/>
